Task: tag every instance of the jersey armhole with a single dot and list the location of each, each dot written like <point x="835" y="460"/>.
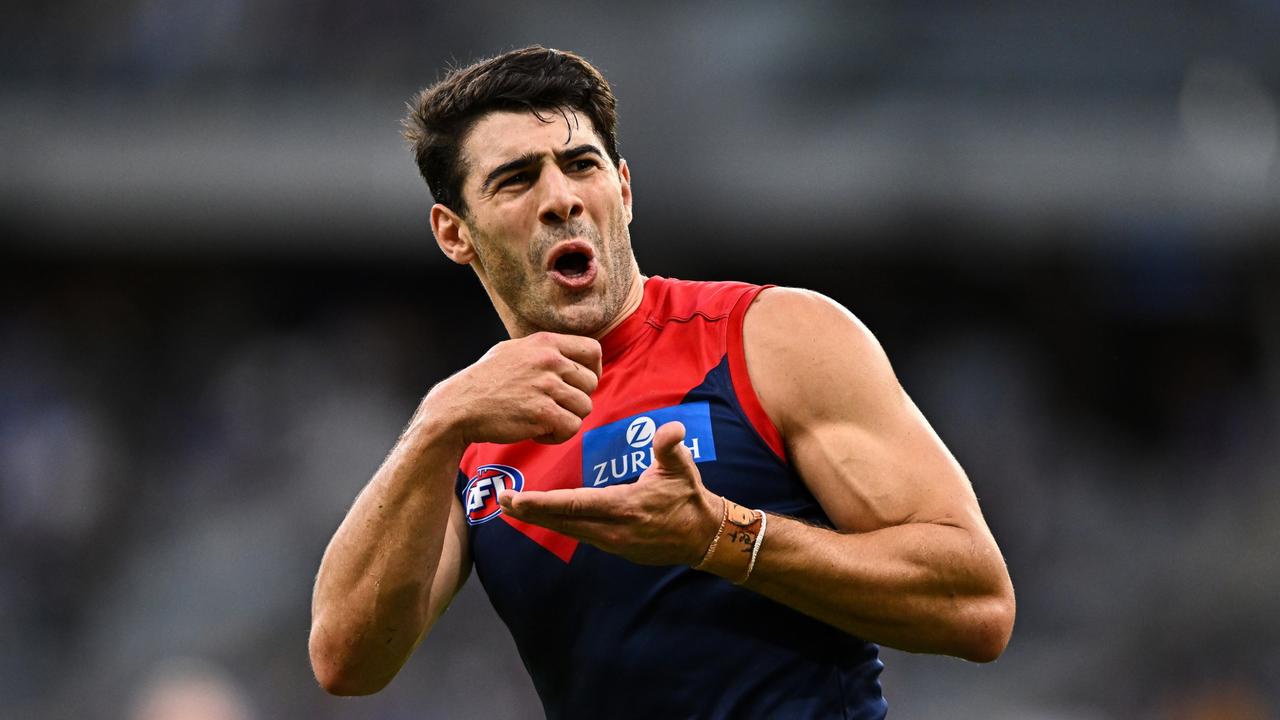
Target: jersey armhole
<point x="742" y="387"/>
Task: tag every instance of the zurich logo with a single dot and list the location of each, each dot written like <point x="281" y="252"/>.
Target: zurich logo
<point x="623" y="449"/>
<point x="640" y="432"/>
<point x="481" y="494"/>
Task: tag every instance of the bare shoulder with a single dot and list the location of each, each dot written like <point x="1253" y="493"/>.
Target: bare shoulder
<point x="851" y="432"/>
<point x="809" y="357"/>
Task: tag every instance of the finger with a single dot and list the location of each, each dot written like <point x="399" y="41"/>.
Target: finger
<point x="583" y="350"/>
<point x="572" y="399"/>
<point x="579" y="376"/>
<point x="556" y="424"/>
<point x="590" y="530"/>
<point x="539" y="505"/>
<point x="669" y="452"/>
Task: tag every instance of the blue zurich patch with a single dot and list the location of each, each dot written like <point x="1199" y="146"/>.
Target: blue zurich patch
<point x="621" y="450"/>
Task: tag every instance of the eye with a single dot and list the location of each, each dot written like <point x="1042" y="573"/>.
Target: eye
<point x="583" y="165"/>
<point x="519" y="178"/>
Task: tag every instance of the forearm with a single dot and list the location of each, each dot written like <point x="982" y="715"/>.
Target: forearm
<point x="372" y="598"/>
<point x="919" y="587"/>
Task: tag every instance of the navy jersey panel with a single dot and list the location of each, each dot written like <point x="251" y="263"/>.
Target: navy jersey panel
<point x="604" y="637"/>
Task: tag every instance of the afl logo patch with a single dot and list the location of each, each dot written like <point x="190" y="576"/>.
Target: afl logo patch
<point x="481" y="495"/>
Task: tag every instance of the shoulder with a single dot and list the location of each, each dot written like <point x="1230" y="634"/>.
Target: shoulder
<point x="793" y="309"/>
<point x="809" y="357"/>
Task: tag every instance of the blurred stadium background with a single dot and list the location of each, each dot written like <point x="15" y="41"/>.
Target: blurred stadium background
<point x="222" y="301"/>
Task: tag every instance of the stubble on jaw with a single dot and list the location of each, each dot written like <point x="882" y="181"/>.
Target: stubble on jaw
<point x="522" y="284"/>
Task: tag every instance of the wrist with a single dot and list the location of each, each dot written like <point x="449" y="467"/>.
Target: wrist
<point x="717" y="521"/>
<point x="733" y="550"/>
<point x="434" y="427"/>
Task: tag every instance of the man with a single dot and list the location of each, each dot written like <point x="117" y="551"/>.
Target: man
<point x="684" y="499"/>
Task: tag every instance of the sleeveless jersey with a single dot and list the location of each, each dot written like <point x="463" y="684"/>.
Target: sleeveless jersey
<point x="606" y="638"/>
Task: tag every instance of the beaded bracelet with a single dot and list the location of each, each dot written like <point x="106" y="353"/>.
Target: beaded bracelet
<point x="755" y="549"/>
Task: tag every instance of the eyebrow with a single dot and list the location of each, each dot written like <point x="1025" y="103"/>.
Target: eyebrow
<point x="529" y="159"/>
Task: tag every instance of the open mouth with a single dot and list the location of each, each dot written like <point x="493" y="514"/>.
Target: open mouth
<point x="572" y="264"/>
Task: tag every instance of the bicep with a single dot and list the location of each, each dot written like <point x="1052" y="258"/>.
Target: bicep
<point x="860" y="444"/>
<point x="894" y="472"/>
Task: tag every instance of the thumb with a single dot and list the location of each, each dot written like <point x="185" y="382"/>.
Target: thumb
<point x="669" y="452"/>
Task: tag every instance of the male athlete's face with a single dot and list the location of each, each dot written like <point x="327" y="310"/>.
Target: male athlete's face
<point x="547" y="216"/>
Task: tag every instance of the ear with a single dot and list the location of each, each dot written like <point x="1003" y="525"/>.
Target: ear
<point x="452" y="235"/>
<point x="624" y="175"/>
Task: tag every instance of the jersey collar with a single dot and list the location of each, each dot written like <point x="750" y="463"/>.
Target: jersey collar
<point x="630" y="330"/>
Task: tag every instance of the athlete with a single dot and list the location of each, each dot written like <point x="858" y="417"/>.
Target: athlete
<point x="684" y="499"/>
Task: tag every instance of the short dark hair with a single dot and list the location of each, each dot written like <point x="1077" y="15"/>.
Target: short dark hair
<point x="533" y="78"/>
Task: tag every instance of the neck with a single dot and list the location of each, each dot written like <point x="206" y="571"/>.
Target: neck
<point x="634" y="297"/>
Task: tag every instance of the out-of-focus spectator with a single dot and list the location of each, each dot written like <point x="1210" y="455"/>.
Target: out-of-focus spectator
<point x="190" y="689"/>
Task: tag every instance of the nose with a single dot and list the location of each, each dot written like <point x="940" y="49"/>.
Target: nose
<point x="560" y="201"/>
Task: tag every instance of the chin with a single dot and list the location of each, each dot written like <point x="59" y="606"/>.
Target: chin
<point x="580" y="320"/>
<point x="584" y="327"/>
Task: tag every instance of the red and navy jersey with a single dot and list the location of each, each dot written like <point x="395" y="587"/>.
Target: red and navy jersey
<point x="606" y="638"/>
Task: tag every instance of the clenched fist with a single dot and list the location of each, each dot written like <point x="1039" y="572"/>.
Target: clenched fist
<point x="536" y="387"/>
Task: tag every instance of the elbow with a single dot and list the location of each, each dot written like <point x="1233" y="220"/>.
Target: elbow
<point x="335" y="680"/>
<point x="337" y="672"/>
<point x="989" y="629"/>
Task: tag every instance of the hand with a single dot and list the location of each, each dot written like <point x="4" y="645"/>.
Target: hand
<point x="666" y="517"/>
<point x="536" y="387"/>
